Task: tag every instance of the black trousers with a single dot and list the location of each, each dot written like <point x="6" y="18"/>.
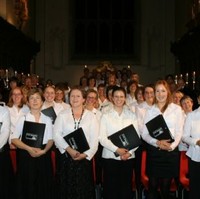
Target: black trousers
<point x="194" y="175"/>
<point x="6" y="174"/>
<point x="117" y="179"/>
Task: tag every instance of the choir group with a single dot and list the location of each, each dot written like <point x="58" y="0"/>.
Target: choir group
<point x="102" y="104"/>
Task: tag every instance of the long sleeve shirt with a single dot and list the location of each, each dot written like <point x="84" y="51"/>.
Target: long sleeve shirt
<point x="174" y="119"/>
<point x="17" y="133"/>
<point x="65" y="124"/>
<point x="4" y="126"/>
<point x="110" y="123"/>
<point x="191" y="134"/>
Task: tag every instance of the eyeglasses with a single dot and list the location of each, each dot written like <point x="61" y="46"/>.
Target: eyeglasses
<point x="88" y="97"/>
<point x="17" y="94"/>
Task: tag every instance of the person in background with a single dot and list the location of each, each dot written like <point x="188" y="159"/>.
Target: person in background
<point x="6" y="170"/>
<point x="131" y="88"/>
<point x="49" y="96"/>
<point x="139" y="98"/>
<point x="91" y="83"/>
<point x="83" y="83"/>
<point x="17" y="108"/>
<point x="186" y="104"/>
<point x="90" y="103"/>
<point x="76" y="175"/>
<point x="60" y="97"/>
<point x="27" y="86"/>
<point x="162" y="155"/>
<point x="141" y="109"/>
<point x="34" y="171"/>
<point x="191" y="136"/>
<point x="117" y="171"/>
<point x="135" y="77"/>
<point x="176" y="97"/>
<point x="102" y="99"/>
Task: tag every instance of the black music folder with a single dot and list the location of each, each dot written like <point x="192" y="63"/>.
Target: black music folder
<point x="33" y="134"/>
<point x="126" y="138"/>
<point x="77" y="140"/>
<point x="158" y="129"/>
<point x="50" y="112"/>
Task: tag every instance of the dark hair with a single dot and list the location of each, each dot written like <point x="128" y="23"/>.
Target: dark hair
<point x="129" y="85"/>
<point x="117" y="88"/>
<point x="138" y="90"/>
<point x="184" y="98"/>
<point x="101" y="86"/>
<point x="109" y="88"/>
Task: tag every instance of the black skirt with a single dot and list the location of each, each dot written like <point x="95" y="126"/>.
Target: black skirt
<point x="76" y="179"/>
<point x="161" y="163"/>
<point x="6" y="174"/>
<point x="34" y="176"/>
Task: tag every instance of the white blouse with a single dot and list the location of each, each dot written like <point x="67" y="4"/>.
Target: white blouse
<point x="58" y="107"/>
<point x="17" y="133"/>
<point x="191" y="134"/>
<point x="174" y="119"/>
<point x="130" y="99"/>
<point x="16" y="113"/>
<point x="140" y="111"/>
<point x="4" y="125"/>
<point x="65" y="124"/>
<point x="110" y="123"/>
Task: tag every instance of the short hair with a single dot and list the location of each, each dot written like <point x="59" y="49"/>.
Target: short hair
<point x="33" y="91"/>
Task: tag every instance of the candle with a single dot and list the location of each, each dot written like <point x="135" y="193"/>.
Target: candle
<point x="85" y="66"/>
<point x="181" y="76"/>
<point x="193" y="75"/>
<point x="129" y="66"/>
<point x="186" y="78"/>
<point x="176" y="79"/>
<point x="28" y="74"/>
<point x="193" y="78"/>
<point x="15" y="73"/>
<point x="6" y="73"/>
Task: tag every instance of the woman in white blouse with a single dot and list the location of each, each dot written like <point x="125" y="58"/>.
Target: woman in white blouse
<point x="76" y="175"/>
<point x="191" y="136"/>
<point x="17" y="108"/>
<point x="34" y="172"/>
<point x="6" y="171"/>
<point x="49" y="100"/>
<point x="162" y="155"/>
<point x="117" y="171"/>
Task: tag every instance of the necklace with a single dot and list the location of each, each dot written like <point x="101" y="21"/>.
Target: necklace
<point x="77" y="123"/>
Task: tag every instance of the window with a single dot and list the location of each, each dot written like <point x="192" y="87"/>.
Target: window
<point x="105" y="28"/>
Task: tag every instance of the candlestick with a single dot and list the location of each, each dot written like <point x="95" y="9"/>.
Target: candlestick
<point x="186" y="78"/>
<point x="193" y="80"/>
<point x="176" y="79"/>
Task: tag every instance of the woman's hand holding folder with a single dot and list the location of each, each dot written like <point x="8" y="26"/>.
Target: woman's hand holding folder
<point x="164" y="145"/>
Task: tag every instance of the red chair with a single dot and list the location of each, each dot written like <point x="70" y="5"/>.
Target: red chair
<point x="13" y="160"/>
<point x="183" y="175"/>
<point x="145" y="179"/>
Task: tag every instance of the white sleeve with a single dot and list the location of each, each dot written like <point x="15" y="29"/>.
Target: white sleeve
<point x="103" y="137"/>
<point x="58" y="132"/>
<point x="187" y="131"/>
<point x="5" y="128"/>
<point x="93" y="137"/>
